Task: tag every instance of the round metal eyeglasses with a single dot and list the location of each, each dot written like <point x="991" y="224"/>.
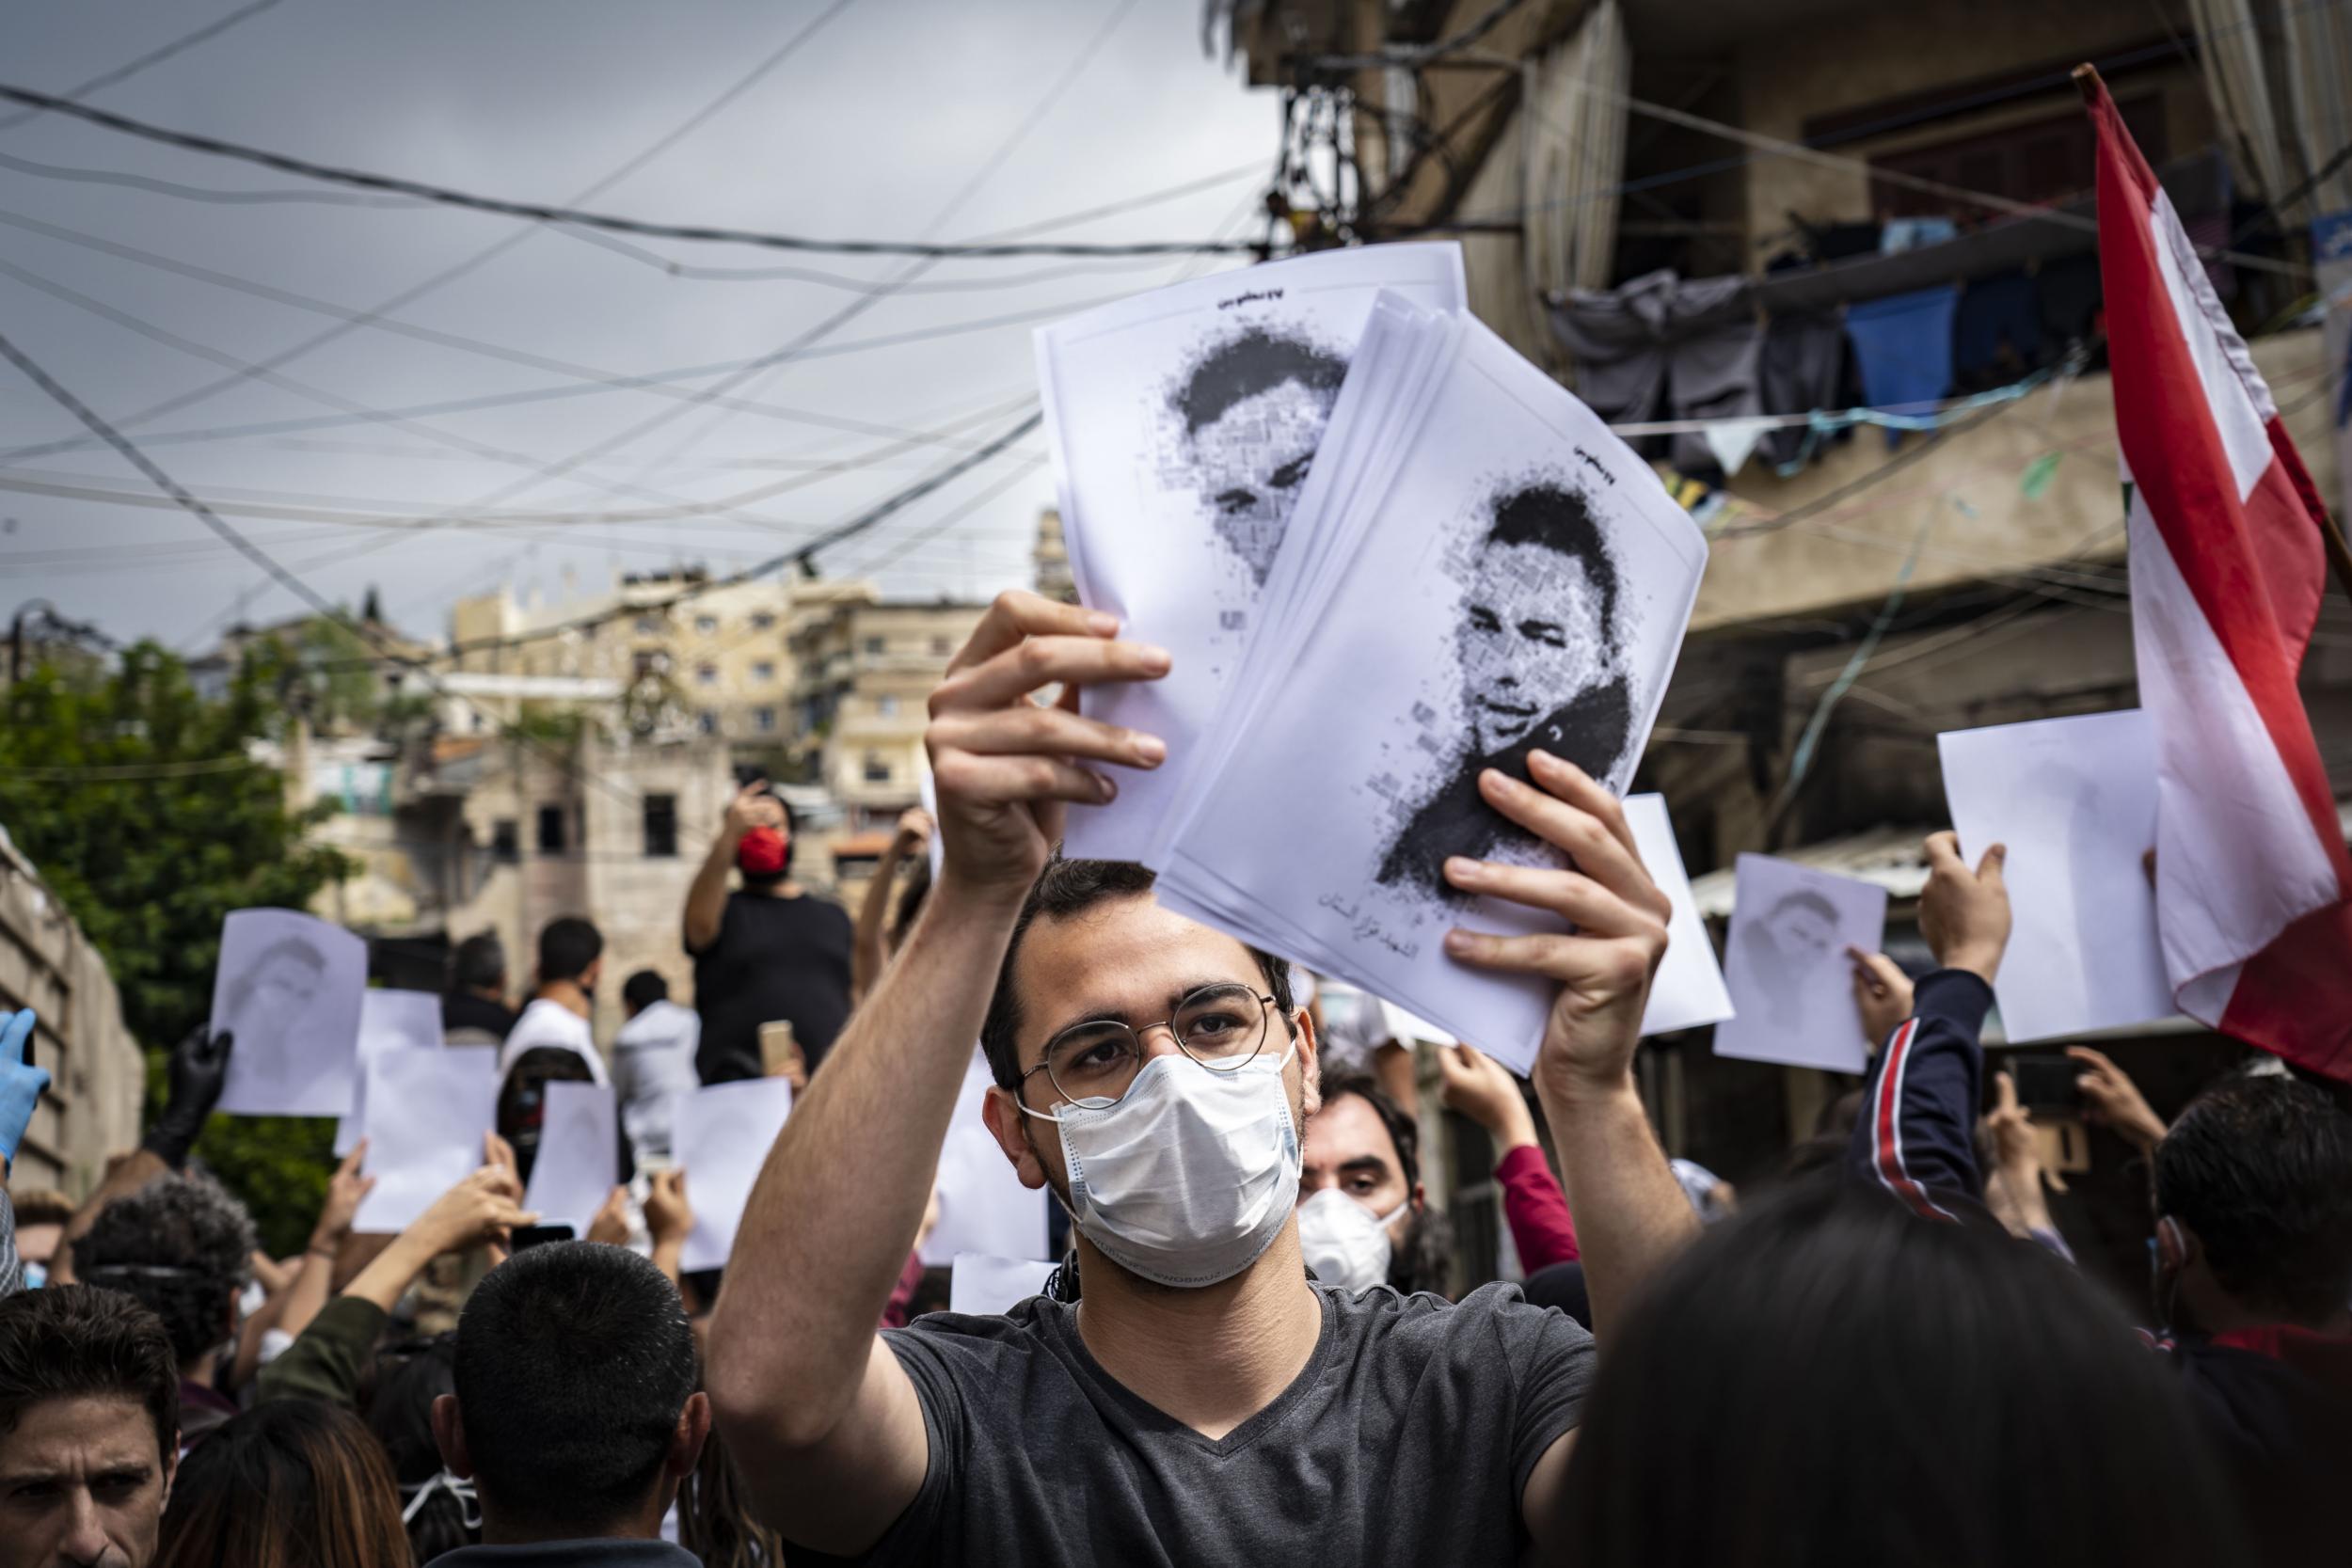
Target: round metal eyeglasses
<point x="1093" y="1064"/>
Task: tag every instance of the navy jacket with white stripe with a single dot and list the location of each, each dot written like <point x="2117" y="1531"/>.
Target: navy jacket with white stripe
<point x="1917" y="1134"/>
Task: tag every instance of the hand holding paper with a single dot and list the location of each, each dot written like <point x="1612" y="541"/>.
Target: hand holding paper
<point x="1603" y="968"/>
<point x="1005" y="765"/>
<point x="1963" y="913"/>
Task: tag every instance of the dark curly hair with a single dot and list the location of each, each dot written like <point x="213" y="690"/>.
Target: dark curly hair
<point x="2260" y="1167"/>
<point x="181" y="1247"/>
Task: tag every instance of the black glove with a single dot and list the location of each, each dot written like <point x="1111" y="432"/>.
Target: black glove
<point x="199" y="1067"/>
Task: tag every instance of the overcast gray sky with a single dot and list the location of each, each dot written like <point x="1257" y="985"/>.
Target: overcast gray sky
<point x="870" y="129"/>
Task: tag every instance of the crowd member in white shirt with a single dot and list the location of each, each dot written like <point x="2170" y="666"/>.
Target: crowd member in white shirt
<point x="571" y="957"/>
<point x="653" y="1061"/>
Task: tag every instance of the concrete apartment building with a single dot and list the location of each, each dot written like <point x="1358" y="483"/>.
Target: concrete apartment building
<point x="866" y="670"/>
<point x="1874" y="592"/>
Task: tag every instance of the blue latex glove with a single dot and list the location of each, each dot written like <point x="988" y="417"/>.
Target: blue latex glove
<point x="20" y="1082"/>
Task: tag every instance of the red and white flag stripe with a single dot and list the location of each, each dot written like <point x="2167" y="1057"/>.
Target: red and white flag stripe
<point x="2254" y="884"/>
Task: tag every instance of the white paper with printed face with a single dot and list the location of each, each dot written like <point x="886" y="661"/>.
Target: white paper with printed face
<point x="983" y="1208"/>
<point x="1689" y="986"/>
<point x="1521" y="582"/>
<point x="288" y="988"/>
<point x="1785" y="964"/>
<point x="1182" y="425"/>
<point x="388" y="1021"/>
<point x="2075" y="799"/>
<point x="580" y="1155"/>
<point x="721" y="1138"/>
<point x="426" y="1114"/>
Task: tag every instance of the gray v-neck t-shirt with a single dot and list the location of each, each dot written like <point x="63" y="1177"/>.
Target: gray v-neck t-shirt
<point x="1407" y="1438"/>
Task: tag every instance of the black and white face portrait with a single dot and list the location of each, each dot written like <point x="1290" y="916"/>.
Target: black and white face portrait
<point x="277" y="992"/>
<point x="1538" y="645"/>
<point x="1531" y="641"/>
<point x="1792" y="944"/>
<point x="1253" y="410"/>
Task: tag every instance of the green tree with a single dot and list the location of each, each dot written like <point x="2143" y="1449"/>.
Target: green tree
<point x="164" y="826"/>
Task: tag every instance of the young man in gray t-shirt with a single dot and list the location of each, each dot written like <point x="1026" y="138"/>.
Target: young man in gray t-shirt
<point x="1204" y="1401"/>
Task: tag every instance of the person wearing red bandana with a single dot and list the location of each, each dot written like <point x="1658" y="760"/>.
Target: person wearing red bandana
<point x="766" y="950"/>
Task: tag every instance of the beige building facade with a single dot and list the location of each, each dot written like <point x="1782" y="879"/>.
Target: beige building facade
<point x="867" y="668"/>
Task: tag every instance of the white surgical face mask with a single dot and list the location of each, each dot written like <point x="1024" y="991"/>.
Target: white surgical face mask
<point x="1347" y="1244"/>
<point x="1188" y="1178"/>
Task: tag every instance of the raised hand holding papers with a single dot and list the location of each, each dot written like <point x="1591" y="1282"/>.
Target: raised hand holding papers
<point x="2075" y="799"/>
<point x="1784" y="962"/>
<point x="579" y="1158"/>
<point x="1480" y="559"/>
<point x="721" y="1138"/>
<point x="426" y="1113"/>
<point x="1182" y="425"/>
<point x="288" y="988"/>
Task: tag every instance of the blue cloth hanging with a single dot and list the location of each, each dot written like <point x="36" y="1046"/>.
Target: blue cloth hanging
<point x="1902" y="345"/>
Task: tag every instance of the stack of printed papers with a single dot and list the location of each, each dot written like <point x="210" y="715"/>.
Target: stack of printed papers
<point x="1468" y="567"/>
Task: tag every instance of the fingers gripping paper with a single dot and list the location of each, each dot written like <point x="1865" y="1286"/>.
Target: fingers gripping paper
<point x="288" y="989"/>
<point x="1183" y="424"/>
<point x="1790" y="980"/>
<point x="1477" y="569"/>
<point x="2075" y="799"/>
<point x="722" y="1138"/>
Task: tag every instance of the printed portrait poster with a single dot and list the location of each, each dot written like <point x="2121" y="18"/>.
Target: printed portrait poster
<point x="1520" y="583"/>
<point x="289" y="988"/>
<point x="1785" y="964"/>
<point x="2075" y="799"/>
<point x="1182" y="425"/>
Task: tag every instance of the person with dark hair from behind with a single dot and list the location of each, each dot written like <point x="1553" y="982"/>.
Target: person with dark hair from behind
<point x="571" y="957"/>
<point x="2251" y="1267"/>
<point x="1823" y="1379"/>
<point x="653" y="1061"/>
<point x="436" y="1507"/>
<point x="577" y="1410"/>
<point x="474" y="1010"/>
<point x="768" y="952"/>
<point x="89" y="1428"/>
<point x="1538" y="652"/>
<point x="1363" y="1219"/>
<point x="293" y="1484"/>
<point x="181" y="1247"/>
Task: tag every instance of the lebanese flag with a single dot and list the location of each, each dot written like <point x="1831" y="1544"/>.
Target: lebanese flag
<point x="2254" y="884"/>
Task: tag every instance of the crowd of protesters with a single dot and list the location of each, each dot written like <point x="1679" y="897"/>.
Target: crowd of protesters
<point x="1246" y="1352"/>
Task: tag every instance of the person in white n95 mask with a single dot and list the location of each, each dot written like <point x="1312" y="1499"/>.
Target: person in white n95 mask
<point x="1363" y="1219"/>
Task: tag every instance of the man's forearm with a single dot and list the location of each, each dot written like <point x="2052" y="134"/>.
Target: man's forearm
<point x="136" y="1170"/>
<point x="706" y="895"/>
<point x="1630" y="1213"/>
<point x="837" y="1204"/>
